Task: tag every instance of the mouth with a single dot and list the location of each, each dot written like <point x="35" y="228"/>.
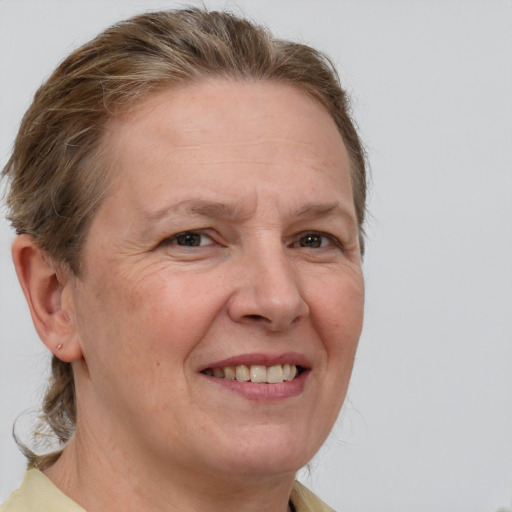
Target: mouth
<point x="256" y="373"/>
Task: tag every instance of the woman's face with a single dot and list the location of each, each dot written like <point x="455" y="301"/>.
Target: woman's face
<point x="226" y="250"/>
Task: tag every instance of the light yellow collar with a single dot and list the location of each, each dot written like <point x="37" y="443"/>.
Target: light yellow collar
<point x="39" y="494"/>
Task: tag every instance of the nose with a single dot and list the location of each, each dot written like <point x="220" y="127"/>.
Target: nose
<point x="268" y="292"/>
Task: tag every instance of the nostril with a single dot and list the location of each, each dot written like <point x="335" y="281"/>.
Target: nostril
<point x="256" y="317"/>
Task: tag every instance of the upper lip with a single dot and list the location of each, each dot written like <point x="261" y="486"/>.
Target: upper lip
<point x="257" y="358"/>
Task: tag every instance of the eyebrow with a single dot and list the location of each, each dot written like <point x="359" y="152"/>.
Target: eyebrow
<point x="315" y="211"/>
<point x="200" y="208"/>
<point x="233" y="211"/>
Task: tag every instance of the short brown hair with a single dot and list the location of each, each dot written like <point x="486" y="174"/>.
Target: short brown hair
<point x="58" y="171"/>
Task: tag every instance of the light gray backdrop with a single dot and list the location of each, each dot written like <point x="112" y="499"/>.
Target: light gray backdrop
<point x="428" y="423"/>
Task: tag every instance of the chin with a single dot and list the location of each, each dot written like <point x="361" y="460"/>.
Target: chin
<point x="273" y="451"/>
<point x="268" y="465"/>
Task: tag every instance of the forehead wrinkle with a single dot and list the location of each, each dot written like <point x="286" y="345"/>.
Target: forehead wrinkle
<point x="201" y="144"/>
<point x="244" y="150"/>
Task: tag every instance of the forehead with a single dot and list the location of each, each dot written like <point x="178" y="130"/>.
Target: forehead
<point x="225" y="132"/>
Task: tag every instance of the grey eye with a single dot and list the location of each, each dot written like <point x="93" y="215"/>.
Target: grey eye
<point x="189" y="239"/>
<point x="311" y="240"/>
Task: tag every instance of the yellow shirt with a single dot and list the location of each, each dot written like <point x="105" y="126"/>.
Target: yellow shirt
<point x="38" y="494"/>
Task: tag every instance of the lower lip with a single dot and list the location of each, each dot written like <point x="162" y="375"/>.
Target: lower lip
<point x="262" y="392"/>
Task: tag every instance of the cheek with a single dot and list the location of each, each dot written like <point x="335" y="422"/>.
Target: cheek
<point x="339" y="306"/>
<point x="338" y="316"/>
<point x="161" y="313"/>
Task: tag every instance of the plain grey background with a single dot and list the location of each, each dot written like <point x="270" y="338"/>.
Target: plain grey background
<point x="428" y="422"/>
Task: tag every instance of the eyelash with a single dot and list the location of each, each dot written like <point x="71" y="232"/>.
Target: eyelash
<point x="174" y="239"/>
<point x="332" y="240"/>
<point x="318" y="234"/>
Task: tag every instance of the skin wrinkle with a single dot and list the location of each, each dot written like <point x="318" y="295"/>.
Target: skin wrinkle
<point x="186" y="149"/>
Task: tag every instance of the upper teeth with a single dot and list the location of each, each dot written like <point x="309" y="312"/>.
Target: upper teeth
<point x="255" y="373"/>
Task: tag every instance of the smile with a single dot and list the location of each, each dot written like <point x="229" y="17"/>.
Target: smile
<point x="257" y="373"/>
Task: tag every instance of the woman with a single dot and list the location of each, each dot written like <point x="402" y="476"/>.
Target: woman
<point x="189" y="195"/>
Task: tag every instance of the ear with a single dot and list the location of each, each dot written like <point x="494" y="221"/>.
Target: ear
<point x="48" y="294"/>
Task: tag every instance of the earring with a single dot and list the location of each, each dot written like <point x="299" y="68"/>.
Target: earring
<point x="59" y="346"/>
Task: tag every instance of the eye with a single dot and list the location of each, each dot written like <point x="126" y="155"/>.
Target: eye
<point x="316" y="241"/>
<point x="190" y="239"/>
<point x="312" y="241"/>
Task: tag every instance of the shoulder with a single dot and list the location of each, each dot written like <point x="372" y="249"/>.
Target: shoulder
<point x="38" y="494"/>
<point x="15" y="502"/>
<point x="304" y="500"/>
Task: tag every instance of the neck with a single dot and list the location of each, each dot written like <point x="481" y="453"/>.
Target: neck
<point x="99" y="476"/>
